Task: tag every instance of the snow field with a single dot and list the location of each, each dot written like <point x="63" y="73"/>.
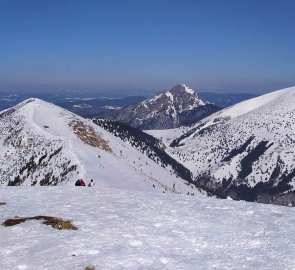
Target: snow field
<point x="120" y="229"/>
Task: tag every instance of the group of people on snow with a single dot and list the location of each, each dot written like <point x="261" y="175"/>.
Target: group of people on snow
<point x="80" y="182"/>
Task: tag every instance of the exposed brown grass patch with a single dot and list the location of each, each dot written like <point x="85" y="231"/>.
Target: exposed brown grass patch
<point x="89" y="268"/>
<point x="88" y="135"/>
<point x="54" y="222"/>
<point x="2" y="203"/>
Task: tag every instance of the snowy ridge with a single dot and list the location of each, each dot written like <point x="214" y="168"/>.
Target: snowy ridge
<point x="255" y="103"/>
<point x="245" y="151"/>
<point x="42" y="144"/>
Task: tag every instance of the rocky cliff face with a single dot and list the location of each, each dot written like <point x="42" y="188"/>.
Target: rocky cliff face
<point x="173" y="108"/>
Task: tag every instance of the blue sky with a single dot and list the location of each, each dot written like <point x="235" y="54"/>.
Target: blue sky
<point x="211" y="45"/>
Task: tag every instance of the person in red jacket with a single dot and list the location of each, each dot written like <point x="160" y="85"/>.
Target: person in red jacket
<point x="82" y="183"/>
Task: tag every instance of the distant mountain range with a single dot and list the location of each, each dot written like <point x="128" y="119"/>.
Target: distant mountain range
<point x="83" y="104"/>
<point x="225" y="100"/>
<point x="101" y="106"/>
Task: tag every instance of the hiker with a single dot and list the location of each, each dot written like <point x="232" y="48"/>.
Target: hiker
<point x="91" y="184"/>
<point x="82" y="183"/>
<point x="77" y="183"/>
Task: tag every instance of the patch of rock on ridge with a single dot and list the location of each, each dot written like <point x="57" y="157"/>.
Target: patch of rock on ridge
<point x="88" y="135"/>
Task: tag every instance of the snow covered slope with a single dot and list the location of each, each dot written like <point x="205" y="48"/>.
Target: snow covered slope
<point x="246" y="151"/>
<point x="120" y="229"/>
<point x="42" y="144"/>
<point x="167" y="136"/>
<point x="179" y="106"/>
<point x="147" y="144"/>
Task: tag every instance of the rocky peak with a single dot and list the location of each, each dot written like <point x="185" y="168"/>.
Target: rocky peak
<point x="184" y="98"/>
<point x="181" y="88"/>
<point x="172" y="108"/>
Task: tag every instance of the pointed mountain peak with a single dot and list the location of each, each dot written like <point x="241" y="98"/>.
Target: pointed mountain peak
<point x="182" y="88"/>
<point x="184" y="92"/>
<point x="171" y="108"/>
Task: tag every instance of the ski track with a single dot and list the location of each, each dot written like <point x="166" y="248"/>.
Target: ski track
<point x="120" y="229"/>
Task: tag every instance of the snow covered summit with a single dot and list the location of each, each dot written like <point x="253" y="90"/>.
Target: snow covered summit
<point x="182" y="92"/>
<point x="43" y="144"/>
<point x="178" y="106"/>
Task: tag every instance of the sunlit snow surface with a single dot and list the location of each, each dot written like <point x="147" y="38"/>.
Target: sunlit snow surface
<point x="119" y="229"/>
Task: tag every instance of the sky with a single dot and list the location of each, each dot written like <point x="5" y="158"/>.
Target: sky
<point x="142" y="45"/>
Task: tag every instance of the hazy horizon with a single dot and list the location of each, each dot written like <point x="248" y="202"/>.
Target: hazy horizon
<point x="118" y="92"/>
<point x="142" y="47"/>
